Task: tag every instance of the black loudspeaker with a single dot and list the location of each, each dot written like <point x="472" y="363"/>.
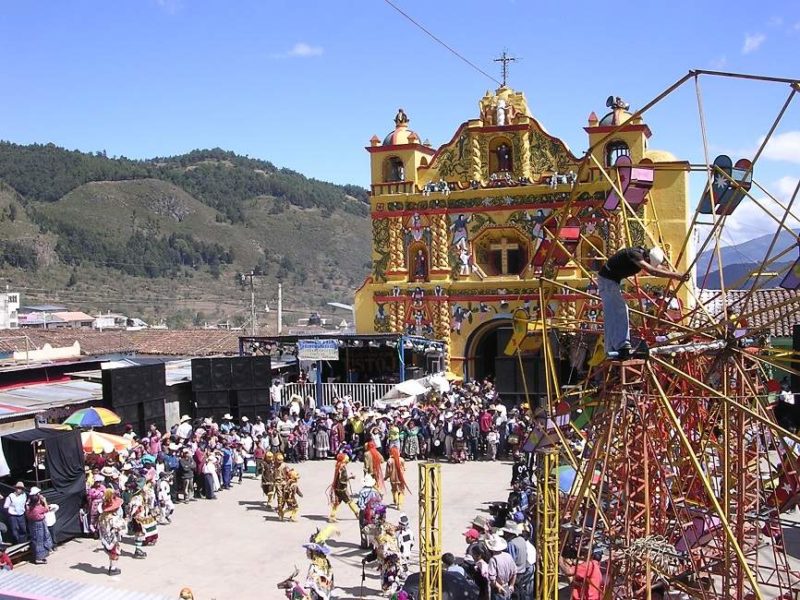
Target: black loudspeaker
<point x="201" y="374"/>
<point x="220" y="374"/>
<point x="207" y="400"/>
<point x="241" y="373"/>
<point x="134" y="385"/>
<point x="262" y="372"/>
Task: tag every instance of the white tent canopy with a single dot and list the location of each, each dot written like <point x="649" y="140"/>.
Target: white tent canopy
<point x="406" y="392"/>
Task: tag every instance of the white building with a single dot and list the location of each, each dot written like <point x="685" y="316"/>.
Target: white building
<point x="9" y="305"/>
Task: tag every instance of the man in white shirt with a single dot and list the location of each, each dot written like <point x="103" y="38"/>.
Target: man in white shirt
<point x="184" y="430"/>
<point x="15" y="508"/>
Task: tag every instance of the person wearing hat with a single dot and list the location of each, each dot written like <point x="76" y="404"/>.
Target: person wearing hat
<point x="406" y="542"/>
<point x="139" y="514"/>
<point x="184" y="429"/>
<point x="368" y="497"/>
<point x="14" y="505"/>
<point x="586" y="576"/>
<point x="339" y="490"/>
<point x="518" y="549"/>
<point x="35" y="511"/>
<point x="502" y="568"/>
<point x="109" y="528"/>
<point x="626" y="263"/>
<point x="246" y="428"/>
<point x="289" y="506"/>
<point x="268" y="477"/>
<point x="319" y="577"/>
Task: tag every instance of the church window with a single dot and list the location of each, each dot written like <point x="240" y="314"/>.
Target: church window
<point x="614" y="150"/>
<point x="394" y="169"/>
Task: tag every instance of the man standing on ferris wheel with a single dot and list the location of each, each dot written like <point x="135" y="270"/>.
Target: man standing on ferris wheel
<point x="626" y="263"/>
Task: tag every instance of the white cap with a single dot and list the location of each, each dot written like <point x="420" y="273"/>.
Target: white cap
<point x="656" y="255"/>
<point x="35" y="490"/>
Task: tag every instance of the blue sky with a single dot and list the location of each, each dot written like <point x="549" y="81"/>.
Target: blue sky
<point x="305" y="84"/>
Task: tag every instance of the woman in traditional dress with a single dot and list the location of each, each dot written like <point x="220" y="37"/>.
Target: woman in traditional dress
<point x="411" y="445"/>
<point x="339" y="491"/>
<point x="322" y="444"/>
<point x="396" y="474"/>
<point x="94" y="496"/>
<point x="35" y="511"/>
<point x="109" y="528"/>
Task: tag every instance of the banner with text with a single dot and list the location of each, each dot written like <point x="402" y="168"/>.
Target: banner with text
<point x="317" y="350"/>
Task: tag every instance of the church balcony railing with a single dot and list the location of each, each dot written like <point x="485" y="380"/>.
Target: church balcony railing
<point x="365" y="393"/>
<point x="393" y="187"/>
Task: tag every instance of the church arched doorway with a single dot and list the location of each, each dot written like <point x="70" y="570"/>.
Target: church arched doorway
<point x="485" y="357"/>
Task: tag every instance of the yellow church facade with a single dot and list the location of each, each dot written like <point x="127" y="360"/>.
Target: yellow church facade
<point x="503" y="216"/>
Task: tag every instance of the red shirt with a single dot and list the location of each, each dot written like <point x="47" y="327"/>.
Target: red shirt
<point x="5" y="562"/>
<point x="588" y="583"/>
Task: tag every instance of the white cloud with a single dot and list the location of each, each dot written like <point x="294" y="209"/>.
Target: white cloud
<point x="753" y="42"/>
<point x="719" y="62"/>
<point x="775" y="21"/>
<point x="783" y="146"/>
<point x="169" y="6"/>
<point x="300" y="50"/>
<point x="750" y="220"/>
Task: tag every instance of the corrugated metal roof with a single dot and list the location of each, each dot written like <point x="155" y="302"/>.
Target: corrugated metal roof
<point x="16" y="584"/>
<point x="40" y="397"/>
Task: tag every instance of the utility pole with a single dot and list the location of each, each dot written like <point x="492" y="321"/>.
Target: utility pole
<point x="251" y="276"/>
<point x="280" y="308"/>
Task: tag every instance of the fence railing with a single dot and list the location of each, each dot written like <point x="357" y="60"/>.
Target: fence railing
<point x="365" y="393"/>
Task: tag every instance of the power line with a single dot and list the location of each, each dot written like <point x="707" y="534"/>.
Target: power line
<point x="439" y="41"/>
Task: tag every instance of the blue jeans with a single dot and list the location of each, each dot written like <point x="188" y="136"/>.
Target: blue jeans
<point x="19" y="528"/>
<point x="227" y="470"/>
<point x="616" y="322"/>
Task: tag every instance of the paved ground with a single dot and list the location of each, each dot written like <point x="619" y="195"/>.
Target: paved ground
<point x="234" y="549"/>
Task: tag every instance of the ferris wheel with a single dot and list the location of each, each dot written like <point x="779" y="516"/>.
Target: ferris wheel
<point x="674" y="472"/>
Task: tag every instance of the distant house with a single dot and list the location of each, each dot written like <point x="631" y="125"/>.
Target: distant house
<point x="56" y="320"/>
<point x="42" y="308"/>
<point x="110" y="321"/>
<point x="9" y="307"/>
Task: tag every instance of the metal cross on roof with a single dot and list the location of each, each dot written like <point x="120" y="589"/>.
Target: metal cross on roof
<point x="505" y="59"/>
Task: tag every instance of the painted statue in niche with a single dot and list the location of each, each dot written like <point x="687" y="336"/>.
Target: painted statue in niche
<point x="460" y="231"/>
<point x="417" y="229"/>
<point x="420" y="270"/>
<point x="503" y="152"/>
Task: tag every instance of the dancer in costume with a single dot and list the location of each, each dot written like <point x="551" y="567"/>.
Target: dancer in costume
<point x="109" y="528"/>
<point x="289" y="506"/>
<point x="373" y="465"/>
<point x="268" y="477"/>
<point x="339" y="491"/>
<point x="368" y="499"/>
<point x="396" y="474"/>
<point x="387" y="553"/>
<point x="139" y="518"/>
<point x="318" y="582"/>
<point x="279" y="472"/>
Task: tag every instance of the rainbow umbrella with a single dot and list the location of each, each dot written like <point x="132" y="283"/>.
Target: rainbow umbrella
<point x="95" y="441"/>
<point x="92" y="417"/>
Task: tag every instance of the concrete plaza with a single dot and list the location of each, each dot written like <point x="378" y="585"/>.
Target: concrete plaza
<point x="233" y="548"/>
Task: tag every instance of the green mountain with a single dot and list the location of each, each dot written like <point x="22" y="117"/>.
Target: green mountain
<point x="167" y="238"/>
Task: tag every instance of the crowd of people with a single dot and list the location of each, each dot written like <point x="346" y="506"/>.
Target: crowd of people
<point x="466" y="423"/>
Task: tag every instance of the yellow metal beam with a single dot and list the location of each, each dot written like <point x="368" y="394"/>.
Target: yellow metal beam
<point x="430" y="531"/>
